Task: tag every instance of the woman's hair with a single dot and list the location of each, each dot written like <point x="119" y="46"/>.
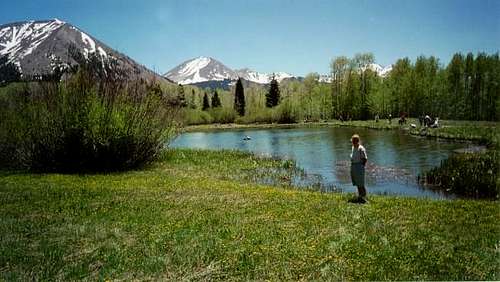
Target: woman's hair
<point x="355" y="137"/>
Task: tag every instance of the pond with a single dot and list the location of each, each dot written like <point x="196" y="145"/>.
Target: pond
<point x="395" y="158"/>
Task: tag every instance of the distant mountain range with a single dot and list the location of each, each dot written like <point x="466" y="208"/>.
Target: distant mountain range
<point x="209" y="72"/>
<point x="37" y="47"/>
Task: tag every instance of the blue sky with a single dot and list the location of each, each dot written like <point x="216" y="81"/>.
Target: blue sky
<point x="293" y="36"/>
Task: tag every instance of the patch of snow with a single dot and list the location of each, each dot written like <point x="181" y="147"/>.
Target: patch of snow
<point x="325" y="78"/>
<point x="385" y="71"/>
<point x="102" y="52"/>
<point x="282" y="75"/>
<point x="88" y="41"/>
<point x="194" y="66"/>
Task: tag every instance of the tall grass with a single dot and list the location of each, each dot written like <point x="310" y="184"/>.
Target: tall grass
<point x="96" y="120"/>
<point x="471" y="175"/>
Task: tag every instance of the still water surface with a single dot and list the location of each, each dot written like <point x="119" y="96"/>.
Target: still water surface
<point x="394" y="158"/>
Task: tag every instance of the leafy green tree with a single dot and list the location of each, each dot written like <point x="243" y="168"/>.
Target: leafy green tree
<point x="401" y="80"/>
<point x="206" y="103"/>
<point x="216" y="100"/>
<point x="273" y="96"/>
<point x="338" y="67"/>
<point x="472" y="104"/>
<point x="310" y="100"/>
<point x="363" y="62"/>
<point x="239" y="98"/>
<point x="492" y="87"/>
<point x="455" y="77"/>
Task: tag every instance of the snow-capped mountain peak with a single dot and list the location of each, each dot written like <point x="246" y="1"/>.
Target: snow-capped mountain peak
<point x="202" y="69"/>
<point x="37" y="47"/>
<point x="253" y="76"/>
<point x="261" y="78"/>
<point x="380" y="70"/>
<point x="20" y="39"/>
<point x="281" y="75"/>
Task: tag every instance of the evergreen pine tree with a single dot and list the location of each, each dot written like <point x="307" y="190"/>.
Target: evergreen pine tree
<point x="273" y="96"/>
<point x="181" y="97"/>
<point x="239" y="98"/>
<point x="206" y="104"/>
<point x="216" y="100"/>
<point x="192" y="102"/>
<point x="8" y="71"/>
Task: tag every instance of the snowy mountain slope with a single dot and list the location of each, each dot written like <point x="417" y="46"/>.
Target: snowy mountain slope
<point x="36" y="47"/>
<point x="199" y="70"/>
<point x="254" y="76"/>
<point x="380" y="70"/>
<point x="385" y="71"/>
<point x="203" y="69"/>
<point x="261" y="78"/>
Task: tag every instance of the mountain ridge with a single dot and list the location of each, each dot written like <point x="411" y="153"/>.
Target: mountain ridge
<point x="204" y="69"/>
<point x="37" y="47"/>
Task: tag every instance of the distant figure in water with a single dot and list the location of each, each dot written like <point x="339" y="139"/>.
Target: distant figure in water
<point x="436" y="123"/>
<point x="246" y="138"/>
<point x="427" y="121"/>
<point x="358" y="162"/>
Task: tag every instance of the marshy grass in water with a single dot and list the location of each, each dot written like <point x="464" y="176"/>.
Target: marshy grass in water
<point x="475" y="175"/>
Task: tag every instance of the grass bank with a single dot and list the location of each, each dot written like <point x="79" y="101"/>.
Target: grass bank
<point x="196" y="215"/>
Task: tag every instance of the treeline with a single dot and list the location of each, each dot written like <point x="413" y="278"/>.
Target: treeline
<point x="468" y="88"/>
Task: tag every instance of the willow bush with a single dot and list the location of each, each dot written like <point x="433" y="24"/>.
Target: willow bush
<point x="95" y="120"/>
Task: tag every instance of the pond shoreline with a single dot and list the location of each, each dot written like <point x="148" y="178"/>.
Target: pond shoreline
<point x="381" y="125"/>
<point x="300" y="143"/>
<point x="477" y="138"/>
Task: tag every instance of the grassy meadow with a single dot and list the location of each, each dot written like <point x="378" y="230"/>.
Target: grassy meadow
<point x="198" y="215"/>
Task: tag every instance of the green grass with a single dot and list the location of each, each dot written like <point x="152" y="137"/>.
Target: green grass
<point x="196" y="215"/>
<point x="484" y="132"/>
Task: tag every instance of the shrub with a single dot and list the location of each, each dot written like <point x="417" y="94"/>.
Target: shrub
<point x="264" y="115"/>
<point x="85" y="123"/>
<point x="468" y="174"/>
<point x="280" y="114"/>
<point x="222" y="115"/>
<point x="195" y="117"/>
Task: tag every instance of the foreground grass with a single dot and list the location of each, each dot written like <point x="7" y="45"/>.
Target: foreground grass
<point x="196" y="216"/>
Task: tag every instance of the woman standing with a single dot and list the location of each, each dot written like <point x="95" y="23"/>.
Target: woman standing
<point x="358" y="162"/>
